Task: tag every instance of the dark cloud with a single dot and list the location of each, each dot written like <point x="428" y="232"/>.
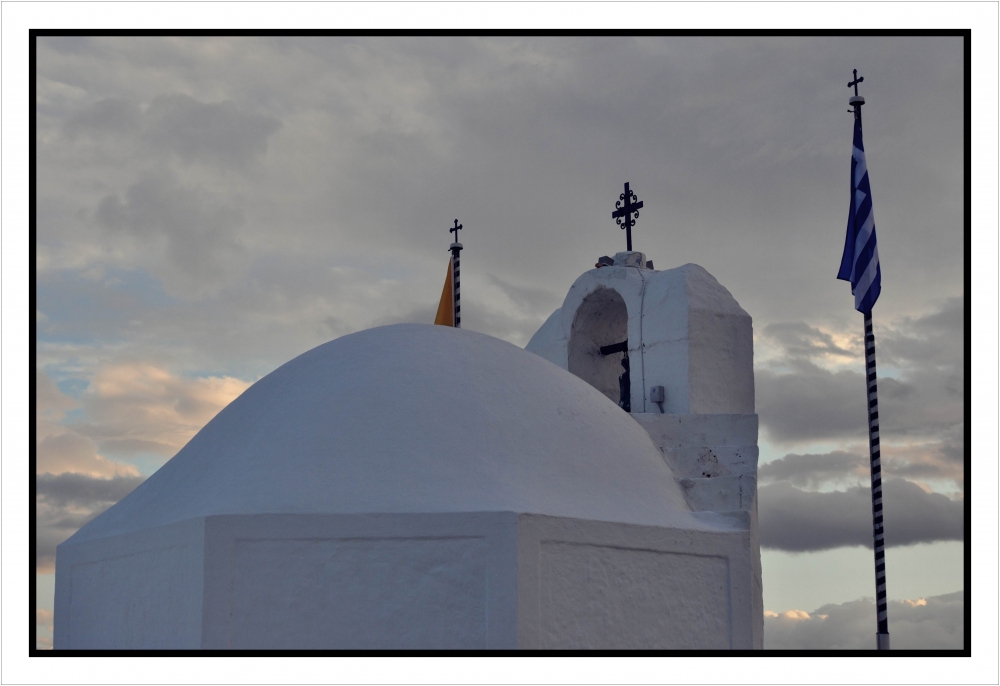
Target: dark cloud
<point x="930" y="623"/>
<point x="67" y="501"/>
<point x="84" y="491"/>
<point x="795" y="520"/>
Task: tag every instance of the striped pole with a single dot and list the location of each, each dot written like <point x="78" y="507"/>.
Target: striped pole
<point x="882" y="637"/>
<point x="456" y="248"/>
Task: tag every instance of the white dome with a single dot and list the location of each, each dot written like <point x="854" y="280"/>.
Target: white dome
<point x="413" y="418"/>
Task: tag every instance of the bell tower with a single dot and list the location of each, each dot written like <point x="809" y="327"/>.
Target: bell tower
<point x="690" y="350"/>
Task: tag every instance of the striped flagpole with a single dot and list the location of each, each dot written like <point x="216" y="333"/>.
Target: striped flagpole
<point x="456" y="248"/>
<point x="860" y="265"/>
<point x="455" y="251"/>
<point x="882" y="637"/>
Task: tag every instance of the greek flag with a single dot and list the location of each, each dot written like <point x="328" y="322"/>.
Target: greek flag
<point x="860" y="262"/>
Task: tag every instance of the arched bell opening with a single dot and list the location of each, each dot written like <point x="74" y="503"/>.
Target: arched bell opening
<point x="600" y="321"/>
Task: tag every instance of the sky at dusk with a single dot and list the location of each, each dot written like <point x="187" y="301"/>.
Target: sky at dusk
<point x="209" y="208"/>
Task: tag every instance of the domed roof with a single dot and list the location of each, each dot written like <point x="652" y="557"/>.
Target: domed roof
<point x="413" y="418"/>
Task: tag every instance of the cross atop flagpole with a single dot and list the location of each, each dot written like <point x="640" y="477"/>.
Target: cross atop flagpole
<point x="456" y="248"/>
<point x="449" y="312"/>
<point x="860" y="266"/>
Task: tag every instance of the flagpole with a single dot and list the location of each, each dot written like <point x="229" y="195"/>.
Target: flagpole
<point x="456" y="248"/>
<point x="881" y="606"/>
<point x="878" y="532"/>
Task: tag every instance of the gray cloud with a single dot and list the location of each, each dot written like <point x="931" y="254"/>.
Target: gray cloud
<point x="217" y="133"/>
<point x="194" y="229"/>
<point x="930" y="623"/>
<point x="810" y="403"/>
<point x="531" y="299"/>
<point x="384" y="140"/>
<point x="810" y="472"/>
<point x="795" y="520"/>
<point x="520" y="134"/>
<point x="108" y="117"/>
<point x="205" y="131"/>
<point x="920" y="381"/>
<point x="499" y="319"/>
<point x="801" y="340"/>
<point x="84" y="491"/>
<point x="942" y="461"/>
<point x="65" y="502"/>
<point x="419" y="315"/>
<point x="937" y="460"/>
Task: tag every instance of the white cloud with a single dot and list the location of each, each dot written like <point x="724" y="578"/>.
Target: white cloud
<point x="918" y="624"/>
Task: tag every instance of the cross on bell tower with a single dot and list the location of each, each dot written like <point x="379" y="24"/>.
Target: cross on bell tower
<point x="629" y="212"/>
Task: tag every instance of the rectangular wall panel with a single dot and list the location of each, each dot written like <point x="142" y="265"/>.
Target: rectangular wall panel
<point x="357" y="593"/>
<point x="598" y="596"/>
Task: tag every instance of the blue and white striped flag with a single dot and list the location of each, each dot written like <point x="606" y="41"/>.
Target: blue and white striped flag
<point x="860" y="262"/>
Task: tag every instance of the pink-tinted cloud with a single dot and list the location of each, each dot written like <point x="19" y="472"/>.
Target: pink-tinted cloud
<point x="61" y="448"/>
<point x="43" y="633"/>
<point x="130" y="409"/>
<point x="142" y="407"/>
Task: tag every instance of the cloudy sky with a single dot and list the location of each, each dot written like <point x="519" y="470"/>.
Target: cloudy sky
<point x="209" y="208"/>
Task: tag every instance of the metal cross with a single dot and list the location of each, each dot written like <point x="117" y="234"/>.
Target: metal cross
<point x="856" y="81"/>
<point x="455" y="229"/>
<point x="626" y="212"/>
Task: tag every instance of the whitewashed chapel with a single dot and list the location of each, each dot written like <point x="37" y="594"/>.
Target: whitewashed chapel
<point x="417" y="486"/>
